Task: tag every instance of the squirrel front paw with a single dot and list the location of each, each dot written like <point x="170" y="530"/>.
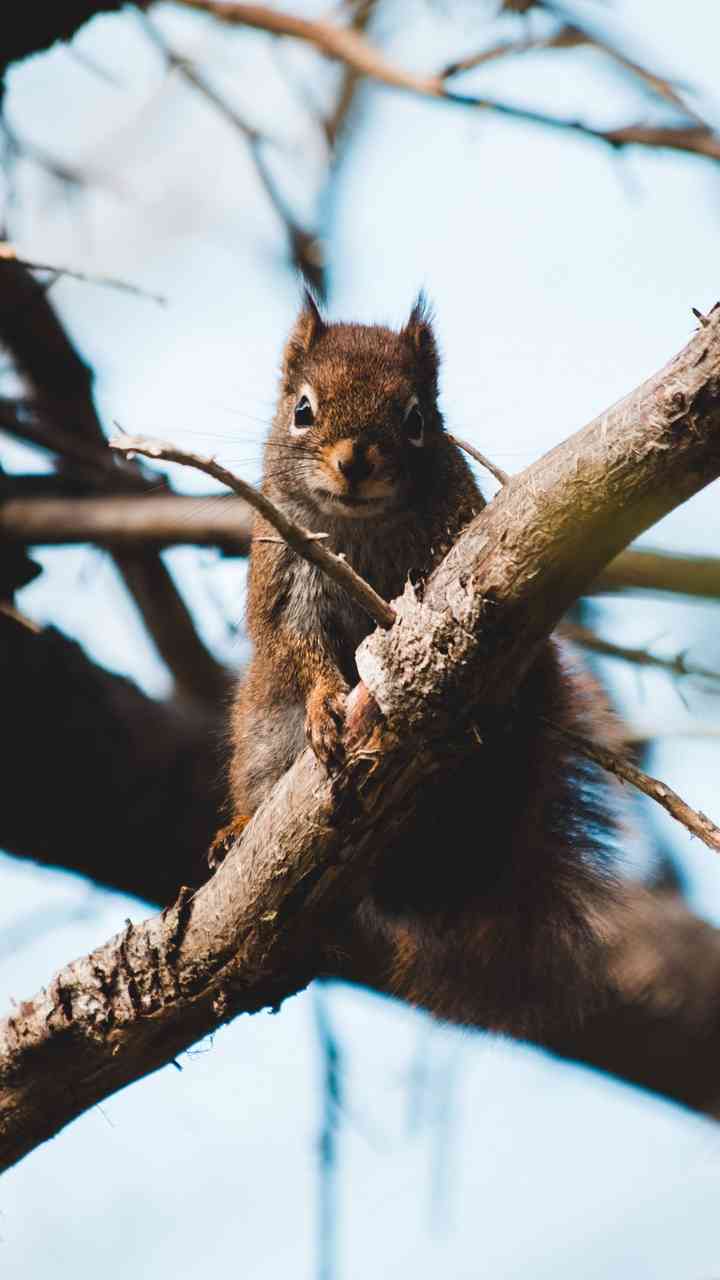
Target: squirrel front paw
<point x="324" y="723"/>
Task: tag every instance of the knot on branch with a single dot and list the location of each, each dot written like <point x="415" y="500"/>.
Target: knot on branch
<point x="406" y="670"/>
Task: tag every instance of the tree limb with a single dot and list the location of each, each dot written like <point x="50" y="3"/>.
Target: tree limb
<point x="303" y="542"/>
<point x="685" y="575"/>
<point x="98" y="778"/>
<point x="251" y="935"/>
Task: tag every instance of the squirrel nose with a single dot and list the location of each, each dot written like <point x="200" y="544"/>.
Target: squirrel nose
<point x="354" y="465"/>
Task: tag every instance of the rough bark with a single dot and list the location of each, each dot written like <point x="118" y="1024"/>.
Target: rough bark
<point x="154" y="773"/>
<point x="253" y="933"/>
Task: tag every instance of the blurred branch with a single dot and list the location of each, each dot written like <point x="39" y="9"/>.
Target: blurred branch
<point x="662" y="571"/>
<point x="332" y="1088"/>
<point x="44" y="355"/>
<point x="98" y="778"/>
<point x="304" y="246"/>
<point x="698" y="824"/>
<point x="677" y="666"/>
<point x="571" y="35"/>
<point x="130" y="522"/>
<point x="256" y="931"/>
<point x="345" y="44"/>
<point x="9" y="254"/>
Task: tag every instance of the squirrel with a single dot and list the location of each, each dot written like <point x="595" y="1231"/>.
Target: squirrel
<point x="485" y="911"/>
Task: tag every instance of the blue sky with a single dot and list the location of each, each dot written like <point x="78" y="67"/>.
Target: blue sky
<point x="562" y="275"/>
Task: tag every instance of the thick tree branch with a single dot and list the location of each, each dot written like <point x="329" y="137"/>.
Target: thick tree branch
<point x="98" y="778"/>
<point x="251" y="935"/>
<point x="158" y="780"/>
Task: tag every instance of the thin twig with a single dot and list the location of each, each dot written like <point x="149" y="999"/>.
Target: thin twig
<point x="9" y="254"/>
<point x="697" y="823"/>
<point x="501" y="476"/>
<point x="305" y="247"/>
<point x="677" y="666"/>
<point x="571" y="35"/>
<point x="301" y="540"/>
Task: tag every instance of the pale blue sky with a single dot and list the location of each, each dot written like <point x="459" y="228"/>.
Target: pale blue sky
<point x="562" y="275"/>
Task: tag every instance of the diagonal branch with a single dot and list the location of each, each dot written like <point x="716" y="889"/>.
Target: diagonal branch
<point x="305" y="544"/>
<point x="255" y="932"/>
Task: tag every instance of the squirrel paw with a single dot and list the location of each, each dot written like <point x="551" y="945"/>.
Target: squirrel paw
<point x="324" y="724"/>
<point x="224" y="839"/>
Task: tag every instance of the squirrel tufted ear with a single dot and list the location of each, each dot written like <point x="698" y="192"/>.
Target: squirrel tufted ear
<point x="307" y="329"/>
<point x="420" y="334"/>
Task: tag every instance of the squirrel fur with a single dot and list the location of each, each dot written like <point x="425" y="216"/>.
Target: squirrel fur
<point x="485" y="911"/>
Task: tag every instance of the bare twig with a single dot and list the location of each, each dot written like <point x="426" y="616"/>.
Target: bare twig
<point x="9" y="254"/>
<point x="305" y="247"/>
<point x="571" y="36"/>
<point x="567" y="37"/>
<point x="677" y="666"/>
<point x="698" y="824"/>
<point x="301" y="540"/>
<point x="501" y="476"/>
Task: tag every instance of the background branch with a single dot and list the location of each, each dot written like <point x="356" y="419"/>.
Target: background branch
<point x="45" y="356"/>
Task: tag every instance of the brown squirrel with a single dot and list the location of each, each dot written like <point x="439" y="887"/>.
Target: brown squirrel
<point x="484" y="910"/>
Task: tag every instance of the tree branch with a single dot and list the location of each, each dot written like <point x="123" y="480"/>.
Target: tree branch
<point x="129" y="521"/>
<point x="635" y="570"/>
<point x="303" y="542"/>
<point x="251" y="935"/>
<point x="45" y="356"/>
<point x="590" y="640"/>
<point x="344" y="44"/>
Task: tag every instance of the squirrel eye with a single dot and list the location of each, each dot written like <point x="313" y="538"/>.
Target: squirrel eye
<point x="304" y="416"/>
<point x="415" y="426"/>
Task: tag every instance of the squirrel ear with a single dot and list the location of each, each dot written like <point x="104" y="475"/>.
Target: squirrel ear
<point x="307" y="329"/>
<point x="420" y="334"/>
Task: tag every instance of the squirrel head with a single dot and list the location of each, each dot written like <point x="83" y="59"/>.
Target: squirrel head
<point x="357" y="424"/>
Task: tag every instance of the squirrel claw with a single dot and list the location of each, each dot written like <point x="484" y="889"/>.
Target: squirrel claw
<point x="220" y="846"/>
<point x="324" y="726"/>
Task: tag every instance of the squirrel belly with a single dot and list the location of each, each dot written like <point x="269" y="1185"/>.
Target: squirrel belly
<point x="485" y="910"/>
